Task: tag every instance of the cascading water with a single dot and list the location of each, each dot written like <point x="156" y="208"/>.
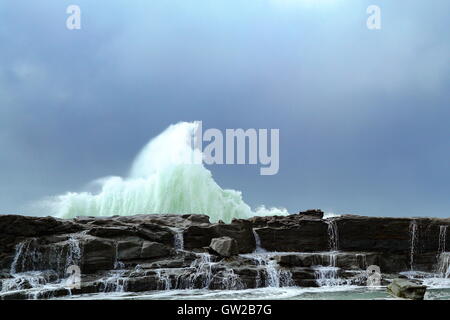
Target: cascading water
<point x="179" y="240"/>
<point x="443" y="267"/>
<point x="203" y="271"/>
<point x="73" y="253"/>
<point x="164" y="282"/>
<point x="118" y="265"/>
<point x="115" y="282"/>
<point x="20" y="248"/>
<point x="274" y="276"/>
<point x="231" y="280"/>
<point x="333" y="236"/>
<point x="26" y="257"/>
<point x="328" y="275"/>
<point x="259" y="248"/>
<point x="41" y="268"/>
<point x="163" y="179"/>
<point x="29" y="256"/>
<point x="413" y="240"/>
<point x="442" y="238"/>
<point x="199" y="275"/>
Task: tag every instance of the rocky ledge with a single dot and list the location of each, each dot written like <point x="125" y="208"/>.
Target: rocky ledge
<point x="38" y="255"/>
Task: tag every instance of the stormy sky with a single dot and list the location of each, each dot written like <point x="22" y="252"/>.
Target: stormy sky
<point x="364" y="115"/>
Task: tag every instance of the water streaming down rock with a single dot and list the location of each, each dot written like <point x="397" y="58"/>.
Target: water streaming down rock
<point x="29" y="256"/>
<point x="26" y="257"/>
<point x="333" y="236"/>
<point x="413" y="240"/>
<point x="328" y="275"/>
<point x="73" y="253"/>
<point x="20" y="248"/>
<point x="116" y="281"/>
<point x="164" y="282"/>
<point x="118" y="265"/>
<point x="271" y="274"/>
<point x="28" y="280"/>
<point x="42" y="269"/>
<point x="442" y="238"/>
<point x="231" y="281"/>
<point x="179" y="240"/>
<point x="444" y="265"/>
<point x="258" y="247"/>
<point x="203" y="271"/>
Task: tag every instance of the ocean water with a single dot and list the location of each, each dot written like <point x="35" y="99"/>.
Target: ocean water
<point x="287" y="293"/>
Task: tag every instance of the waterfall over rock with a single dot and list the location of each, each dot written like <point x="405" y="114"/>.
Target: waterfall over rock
<point x="413" y="232"/>
<point x="442" y="238"/>
<point x="131" y="255"/>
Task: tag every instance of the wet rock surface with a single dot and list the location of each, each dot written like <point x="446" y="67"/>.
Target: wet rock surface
<point x="162" y="252"/>
<point x="407" y="289"/>
<point x="224" y="246"/>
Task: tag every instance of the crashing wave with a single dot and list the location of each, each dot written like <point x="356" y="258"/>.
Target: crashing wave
<point x="164" y="178"/>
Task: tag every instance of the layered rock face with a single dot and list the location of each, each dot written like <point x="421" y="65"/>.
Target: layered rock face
<point x="163" y="252"/>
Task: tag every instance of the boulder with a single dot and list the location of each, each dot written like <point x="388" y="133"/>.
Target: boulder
<point x="407" y="289"/>
<point x="224" y="246"/>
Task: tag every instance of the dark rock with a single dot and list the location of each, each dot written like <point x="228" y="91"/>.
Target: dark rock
<point x="24" y="226"/>
<point x="129" y="250"/>
<point x="357" y="233"/>
<point x="313" y="213"/>
<point x="113" y="232"/>
<point x="407" y="289"/>
<point x="133" y="250"/>
<point x="166" y="220"/>
<point x="224" y="246"/>
<point x="295" y="234"/>
<point x="153" y="250"/>
<point x="98" y="254"/>
<point x="140" y="284"/>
